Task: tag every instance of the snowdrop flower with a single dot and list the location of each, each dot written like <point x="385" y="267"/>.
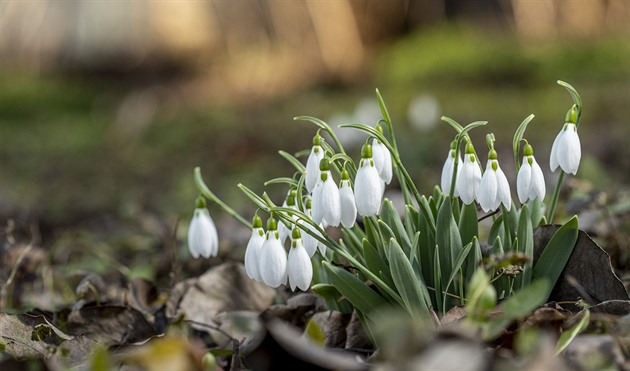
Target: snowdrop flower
<point x="368" y="185"/>
<point x="382" y="158"/>
<point x="530" y="182"/>
<point x="273" y="259"/>
<point x="299" y="268"/>
<point x="252" y="252"/>
<point x="348" y="206"/>
<point x="467" y="184"/>
<point x="326" y="199"/>
<point x="311" y="244"/>
<point x="494" y="188"/>
<point x="312" y="163"/>
<point x="447" y="170"/>
<point x="203" y="239"/>
<point x="566" y="150"/>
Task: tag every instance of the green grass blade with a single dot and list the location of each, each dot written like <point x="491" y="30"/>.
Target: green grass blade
<point x="526" y="246"/>
<point x="570" y="334"/>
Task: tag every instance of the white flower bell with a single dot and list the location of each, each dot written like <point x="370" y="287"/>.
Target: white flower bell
<point x="348" y="206"/>
<point x="273" y="259"/>
<point x="311" y="244"/>
<point x="494" y="188"/>
<point x="326" y="199"/>
<point x="467" y="184"/>
<point x="312" y="163"/>
<point x="382" y="158"/>
<point x="530" y="182"/>
<point x="252" y="252"/>
<point x="368" y="185"/>
<point x="447" y="170"/>
<point x="299" y="268"/>
<point x="203" y="239"/>
<point x="566" y="150"/>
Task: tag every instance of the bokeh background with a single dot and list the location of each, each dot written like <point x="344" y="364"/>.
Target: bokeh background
<point x="107" y="106"/>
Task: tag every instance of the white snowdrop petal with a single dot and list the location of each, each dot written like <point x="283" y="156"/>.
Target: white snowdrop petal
<point x="312" y="167"/>
<point x="378" y="155"/>
<point x="387" y="172"/>
<point x="469" y="178"/>
<point x="252" y="254"/>
<point x="203" y="239"/>
<point x="348" y="206"/>
<point x="317" y="209"/>
<point x="523" y="181"/>
<point x="273" y="261"/>
<point x="569" y="151"/>
<point x="299" y="268"/>
<point x="447" y="173"/>
<point x="488" y="190"/>
<point x="504" y="195"/>
<point x="368" y="189"/>
<point x="537" y="185"/>
<point x="553" y="157"/>
<point x="330" y="202"/>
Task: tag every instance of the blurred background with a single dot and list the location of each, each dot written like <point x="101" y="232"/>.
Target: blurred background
<point x="107" y="106"/>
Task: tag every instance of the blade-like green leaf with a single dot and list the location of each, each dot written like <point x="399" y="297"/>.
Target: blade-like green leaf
<point x="293" y="160"/>
<point x="468" y="223"/>
<point x="556" y="254"/>
<point x="411" y="221"/>
<point x="390" y="215"/>
<point x="536" y="212"/>
<point x="447" y="238"/>
<point x="496" y="230"/>
<point x="457" y="266"/>
<point x="518" y="136"/>
<point x="410" y="287"/>
<point x="567" y="336"/>
<point x="376" y="263"/>
<point x="373" y="233"/>
<point x="526" y="246"/>
<point x="525" y="301"/>
<point x="356" y="291"/>
<point x="437" y="281"/>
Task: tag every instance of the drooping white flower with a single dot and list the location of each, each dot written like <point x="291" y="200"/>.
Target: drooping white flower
<point x="273" y="259"/>
<point x="348" y="206"/>
<point x="566" y="150"/>
<point x="252" y="252"/>
<point x="311" y="244"/>
<point x="382" y="159"/>
<point x="467" y="184"/>
<point x="312" y="163"/>
<point x="203" y="239"/>
<point x="299" y="268"/>
<point x="530" y="182"/>
<point x="368" y="185"/>
<point x="447" y="171"/>
<point x="326" y="199"/>
<point x="494" y="188"/>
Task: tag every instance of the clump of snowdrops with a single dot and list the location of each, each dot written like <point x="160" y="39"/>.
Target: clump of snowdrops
<point x="424" y="260"/>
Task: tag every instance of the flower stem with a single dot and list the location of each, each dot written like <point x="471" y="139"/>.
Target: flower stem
<point x="203" y="188"/>
<point x="554" y="198"/>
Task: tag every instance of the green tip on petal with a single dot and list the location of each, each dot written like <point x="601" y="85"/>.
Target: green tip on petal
<point x="495" y="165"/>
<point x="296" y="234"/>
<point x="257" y="222"/>
<point x="272" y="224"/>
<point x="291" y="200"/>
<point x="492" y="154"/>
<point x="308" y="204"/>
<point x="200" y="202"/>
<point x="530" y="161"/>
<point x="366" y="151"/>
<point x="379" y="128"/>
<point x="453" y="144"/>
<point x="571" y="117"/>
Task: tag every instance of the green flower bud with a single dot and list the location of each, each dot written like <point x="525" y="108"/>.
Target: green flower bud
<point x="200" y="202"/>
<point x="257" y="222"/>
<point x="571" y="116"/>
<point x="366" y="151"/>
<point x="272" y="224"/>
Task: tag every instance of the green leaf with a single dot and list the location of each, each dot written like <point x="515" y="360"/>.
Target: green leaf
<point x="568" y="335"/>
<point x="496" y="230"/>
<point x="437" y="281"/>
<point x="510" y="223"/>
<point x="518" y="136"/>
<point x="411" y="288"/>
<point x="447" y="238"/>
<point x="556" y="254"/>
<point x="293" y="160"/>
<point x="373" y="233"/>
<point x="536" y="212"/>
<point x="574" y="94"/>
<point x="356" y="291"/>
<point x="472" y="260"/>
<point x="525" y="301"/>
<point x="390" y="216"/>
<point x="411" y="221"/>
<point x="426" y="251"/>
<point x="526" y="246"/>
<point x="376" y="263"/>
<point x="458" y="265"/>
<point x="468" y="223"/>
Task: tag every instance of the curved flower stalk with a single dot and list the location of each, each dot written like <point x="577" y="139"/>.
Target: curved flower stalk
<point x="368" y="185"/>
<point x="252" y="252"/>
<point x="299" y="268"/>
<point x="273" y="258"/>
<point x="312" y="163"/>
<point x="494" y="188"/>
<point x="469" y="176"/>
<point x="348" y="206"/>
<point x="566" y="151"/>
<point x="326" y="199"/>
<point x="283" y="229"/>
<point x="203" y="239"/>
<point x="447" y="170"/>
<point x="382" y="158"/>
<point x="530" y="181"/>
